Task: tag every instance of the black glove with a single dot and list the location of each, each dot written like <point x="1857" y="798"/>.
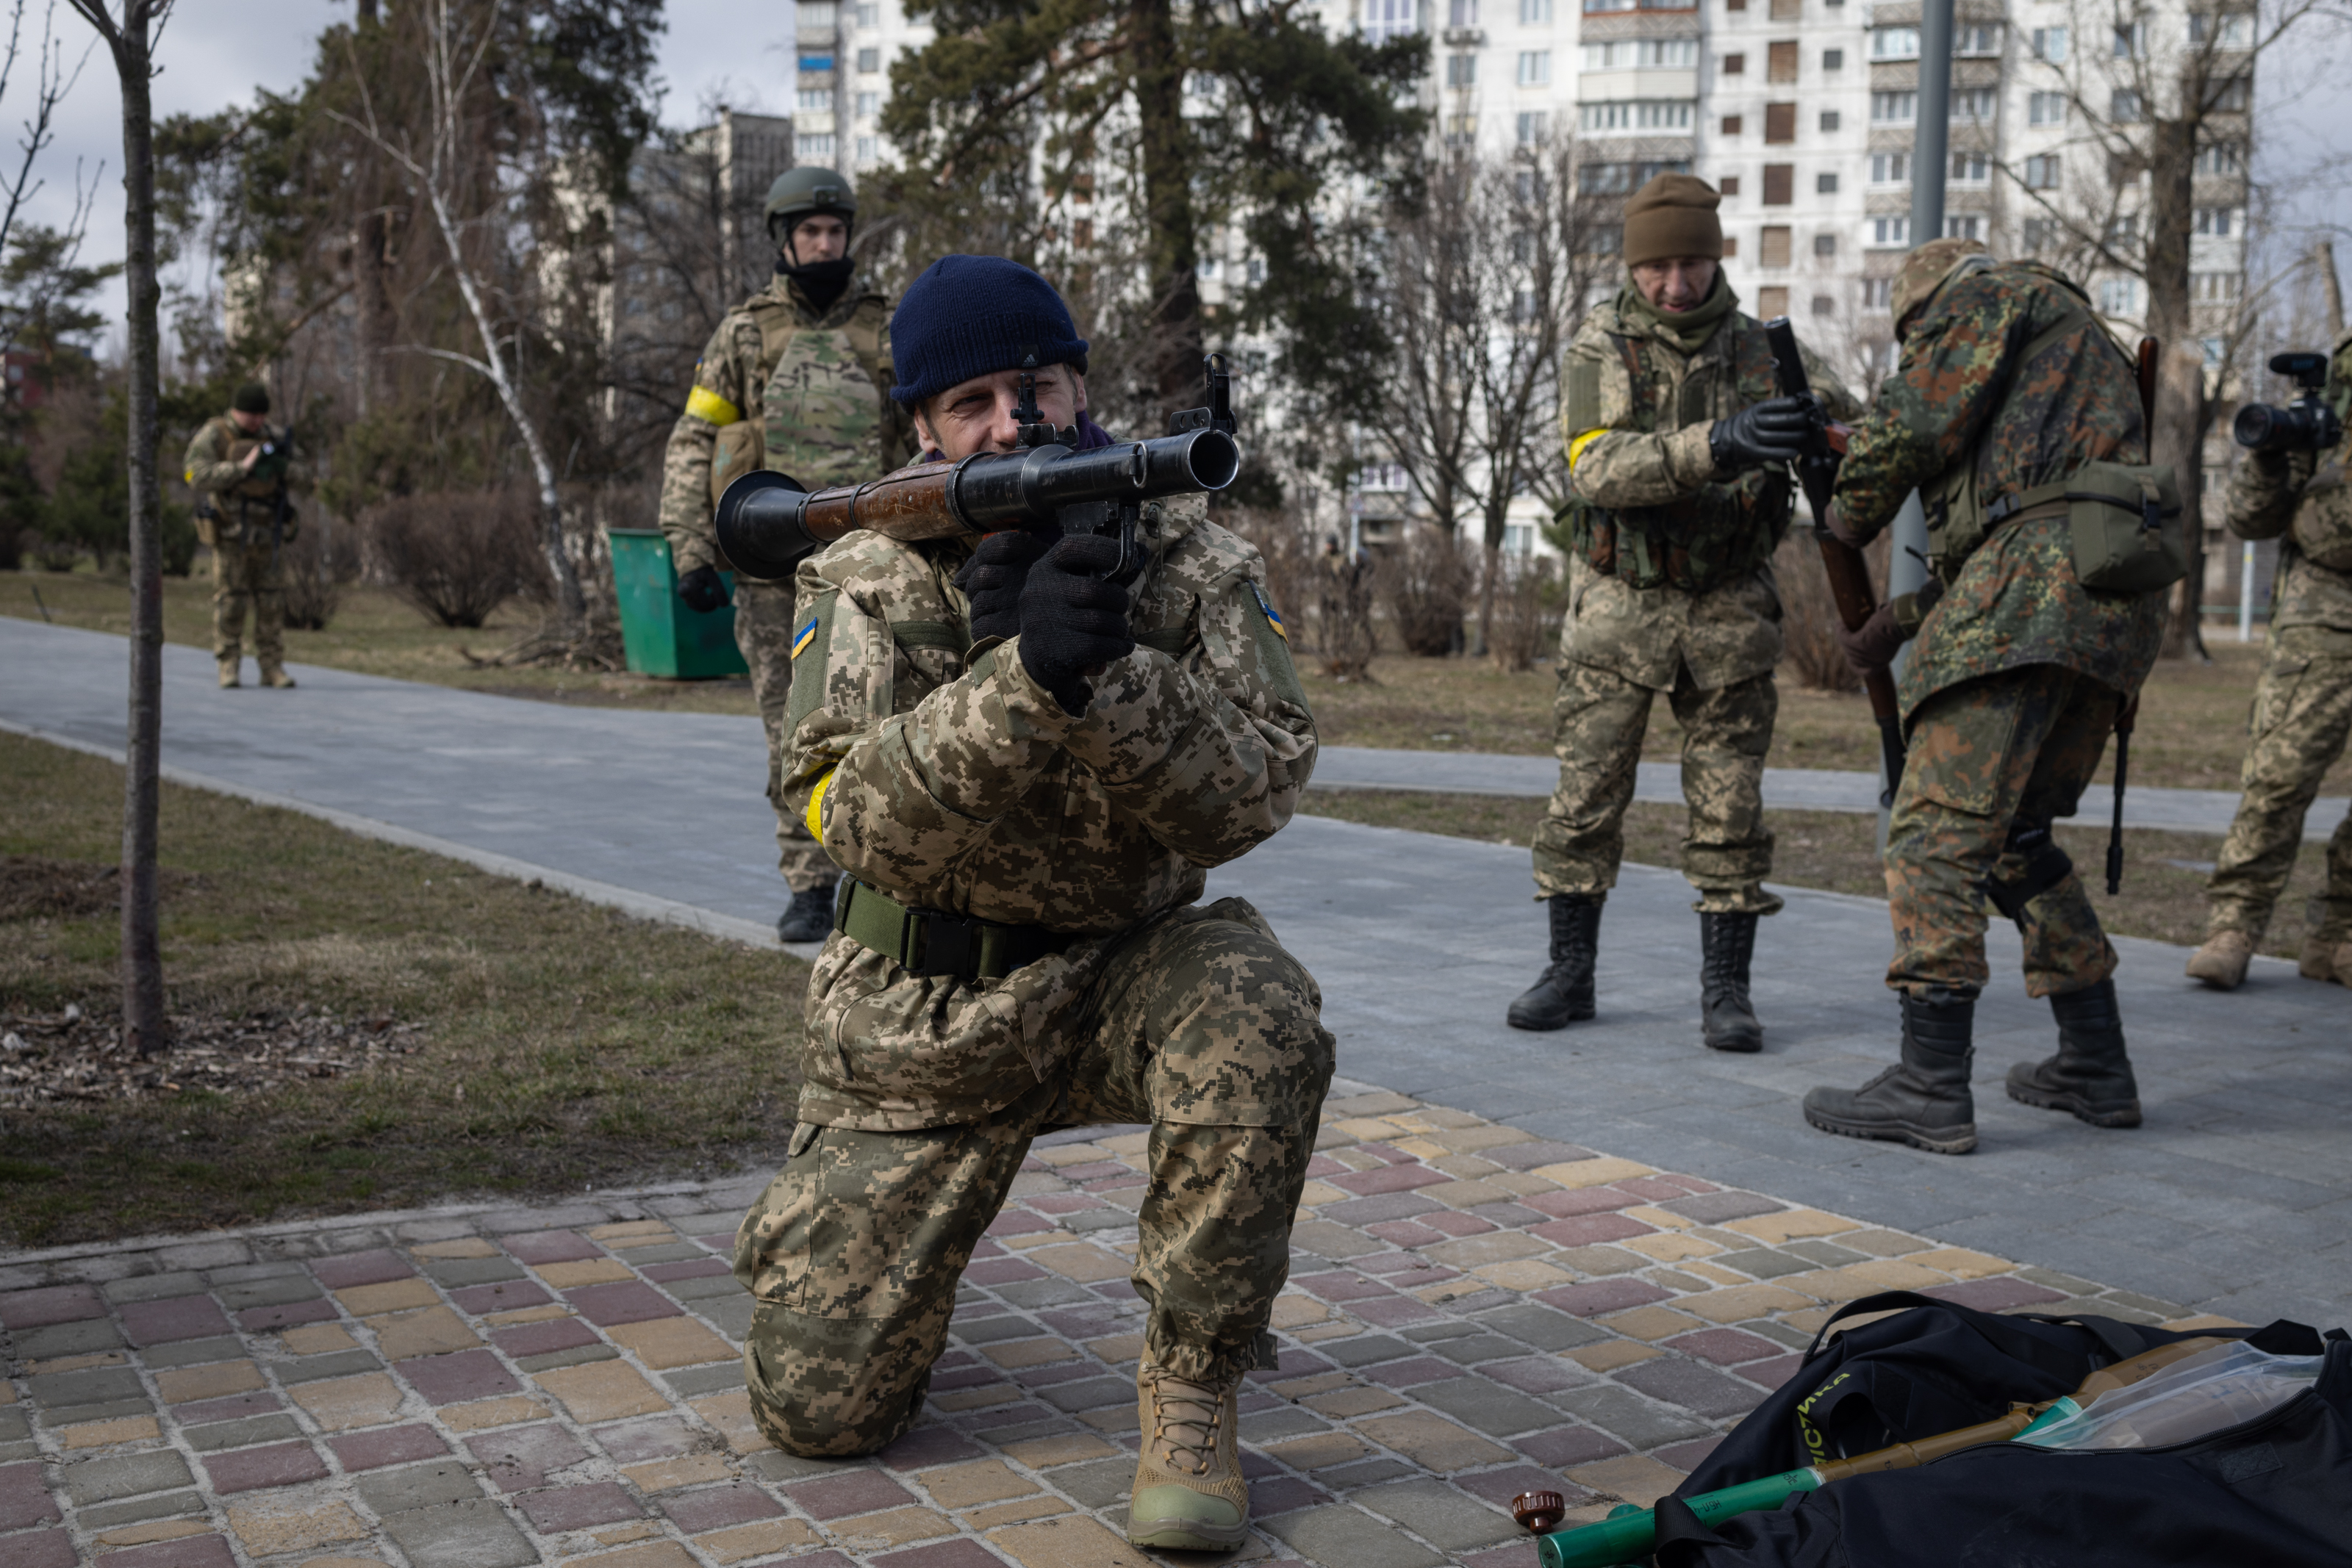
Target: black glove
<point x="1773" y="431"/>
<point x="1874" y="646"/>
<point x="703" y="590"/>
<point x="1073" y="620"/>
<point x="992" y="580"/>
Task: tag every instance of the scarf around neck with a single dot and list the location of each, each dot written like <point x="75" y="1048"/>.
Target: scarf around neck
<point x="1686" y="330"/>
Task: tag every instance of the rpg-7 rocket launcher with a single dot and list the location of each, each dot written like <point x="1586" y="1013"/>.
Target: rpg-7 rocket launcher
<point x="768" y="522"/>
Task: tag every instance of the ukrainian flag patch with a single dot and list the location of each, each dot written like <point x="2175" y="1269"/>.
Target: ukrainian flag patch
<point x="804" y="637"/>
<point x="1272" y="619"/>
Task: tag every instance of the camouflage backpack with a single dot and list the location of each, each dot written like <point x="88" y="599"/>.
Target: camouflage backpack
<point x="1720" y="533"/>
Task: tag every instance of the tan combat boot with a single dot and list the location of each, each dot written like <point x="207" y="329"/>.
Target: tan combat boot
<point x="1188" y="1491"/>
<point x="275" y="676"/>
<point x="2221" y="962"/>
<point x="229" y="668"/>
<point x="2327" y="955"/>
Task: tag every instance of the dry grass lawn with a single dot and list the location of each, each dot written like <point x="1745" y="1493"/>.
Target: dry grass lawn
<point x="565" y="1045"/>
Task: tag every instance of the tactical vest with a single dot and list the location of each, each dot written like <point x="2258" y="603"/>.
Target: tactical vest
<point x="2125" y="519"/>
<point x="239" y="444"/>
<point x="820" y="417"/>
<point x="1694" y="543"/>
<point x="2322" y="532"/>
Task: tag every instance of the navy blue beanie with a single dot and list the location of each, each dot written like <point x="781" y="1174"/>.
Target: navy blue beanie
<point x="972" y="316"/>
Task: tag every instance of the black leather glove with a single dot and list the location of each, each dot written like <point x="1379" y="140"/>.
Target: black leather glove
<point x="1874" y="647"/>
<point x="703" y="590"/>
<point x="992" y="580"/>
<point x="1773" y="431"/>
<point x="1072" y="621"/>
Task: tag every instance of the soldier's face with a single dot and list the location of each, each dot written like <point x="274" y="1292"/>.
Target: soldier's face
<point x="977" y="416"/>
<point x="1678" y="283"/>
<point x="820" y="238"/>
<point x="250" y="423"/>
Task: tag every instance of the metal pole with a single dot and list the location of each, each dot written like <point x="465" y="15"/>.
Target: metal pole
<point x="2246" y="593"/>
<point x="1907" y="568"/>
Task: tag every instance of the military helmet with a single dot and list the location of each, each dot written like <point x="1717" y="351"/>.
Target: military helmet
<point x="1925" y="270"/>
<point x="798" y="192"/>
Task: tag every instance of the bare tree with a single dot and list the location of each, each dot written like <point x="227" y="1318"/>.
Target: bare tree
<point x="447" y="181"/>
<point x="51" y="83"/>
<point x="132" y="41"/>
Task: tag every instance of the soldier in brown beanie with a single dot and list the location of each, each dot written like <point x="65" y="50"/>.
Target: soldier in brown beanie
<point x="1678" y="453"/>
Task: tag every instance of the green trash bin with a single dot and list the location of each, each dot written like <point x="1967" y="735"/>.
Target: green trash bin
<point x="660" y="635"/>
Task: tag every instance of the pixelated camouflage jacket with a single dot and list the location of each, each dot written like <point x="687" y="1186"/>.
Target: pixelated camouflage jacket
<point x="2306" y="496"/>
<point x="1638" y="447"/>
<point x="1960" y="395"/>
<point x="781" y="387"/>
<point x="950" y="779"/>
<point x="211" y="471"/>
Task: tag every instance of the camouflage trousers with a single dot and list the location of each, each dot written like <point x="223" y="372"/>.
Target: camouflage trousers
<point x="855" y="1250"/>
<point x="2301" y="716"/>
<point x="1599" y="718"/>
<point x="1991" y="762"/>
<point x="242" y="576"/>
<point x="763" y="630"/>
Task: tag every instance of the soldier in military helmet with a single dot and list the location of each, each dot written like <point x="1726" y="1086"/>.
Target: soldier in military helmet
<point x="2302" y="711"/>
<point x="796" y="379"/>
<point x="2010" y="404"/>
<point x="1025" y="769"/>
<point x="243" y="472"/>
<point x="1678" y="451"/>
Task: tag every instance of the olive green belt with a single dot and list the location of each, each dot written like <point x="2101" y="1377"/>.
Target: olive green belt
<point x="932" y="942"/>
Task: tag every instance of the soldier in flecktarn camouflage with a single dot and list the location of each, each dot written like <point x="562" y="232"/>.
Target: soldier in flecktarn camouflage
<point x="2008" y="388"/>
<point x="1678" y="451"/>
<point x="2303" y="707"/>
<point x="243" y="473"/>
<point x="796" y="379"/>
<point x="1024" y="768"/>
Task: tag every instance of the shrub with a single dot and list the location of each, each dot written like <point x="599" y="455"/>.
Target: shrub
<point x="457" y="555"/>
<point x="307" y="567"/>
<point x="1428" y="577"/>
<point x="1809" y="615"/>
<point x="1530" y="602"/>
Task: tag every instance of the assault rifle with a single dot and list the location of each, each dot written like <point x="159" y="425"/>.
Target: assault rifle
<point x="1849" y="575"/>
<point x="767" y="522"/>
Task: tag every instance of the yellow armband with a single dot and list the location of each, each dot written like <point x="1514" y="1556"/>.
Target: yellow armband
<point x="1576" y="447"/>
<point x="704" y="403"/>
<point x="815" y="817"/>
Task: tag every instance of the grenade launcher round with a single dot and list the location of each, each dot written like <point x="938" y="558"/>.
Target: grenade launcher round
<point x="767" y="522"/>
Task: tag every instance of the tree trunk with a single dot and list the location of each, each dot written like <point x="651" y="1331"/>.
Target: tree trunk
<point x="2323" y="255"/>
<point x="144" y="1028"/>
<point x="2180" y="416"/>
<point x="1168" y="167"/>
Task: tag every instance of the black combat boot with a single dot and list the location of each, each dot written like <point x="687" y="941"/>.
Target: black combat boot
<point x="1564" y="992"/>
<point x="1725" y="1017"/>
<point x="1924" y="1099"/>
<point x="2090" y="1076"/>
<point x="809" y="918"/>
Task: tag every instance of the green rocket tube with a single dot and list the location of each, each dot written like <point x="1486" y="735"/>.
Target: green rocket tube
<point x="1633" y="1534"/>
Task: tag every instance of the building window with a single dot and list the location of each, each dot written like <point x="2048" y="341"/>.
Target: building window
<point x="1535" y="68"/>
<point x="1825" y="245"/>
<point x="1386" y="19"/>
<point x="2045" y="109"/>
<point x="1831" y="121"/>
<point x="2236" y="29"/>
<point x="2119" y="295"/>
<point x="2220" y="158"/>
<point x="1894" y="107"/>
<point x="1461" y="130"/>
<point x="1642" y="54"/>
<point x="869" y="61"/>
<point x="2041" y="234"/>
<point x="1780" y="184"/>
<point x="1781" y="62"/>
<point x="817" y="100"/>
<point x="1727" y="186"/>
<point x="814" y="147"/>
<point x="1890" y="231"/>
<point x="1535" y="13"/>
<point x="1735" y="4"/>
<point x="2127" y="108"/>
<point x="1535" y="125"/>
<point x="2130" y="42"/>
<point x="1833" y="59"/>
<point x="2234" y="95"/>
<point x="1461" y="14"/>
<point x="1780" y="123"/>
<point x="2042" y="172"/>
<point x="1971" y="169"/>
<point x="1824" y="306"/>
<point x="869" y="104"/>
<point x="1602" y="239"/>
<point x="1787" y="10"/>
<point x="1894" y="43"/>
<point x="1082" y="232"/>
<point x="1963" y="225"/>
<point x="1731" y="247"/>
<point x="1977" y="38"/>
<point x="2050" y="45"/>
<point x="1825" y="184"/>
<point x="1976" y="103"/>
<point x="1878" y="294"/>
<point x="1734" y="66"/>
<point x="2220" y="220"/>
<point x="1618" y="179"/>
<point x="1461" y="71"/>
<point x="1637" y="114"/>
<point x="1731" y="124"/>
<point x="1771" y="301"/>
<point x="2122" y="231"/>
<point x="1890" y="168"/>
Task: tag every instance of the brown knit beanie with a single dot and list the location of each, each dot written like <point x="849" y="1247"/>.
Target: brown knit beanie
<point x="1672" y="216"/>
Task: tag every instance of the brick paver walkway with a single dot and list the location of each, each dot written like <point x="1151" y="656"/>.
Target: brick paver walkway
<point x="1471" y="1313"/>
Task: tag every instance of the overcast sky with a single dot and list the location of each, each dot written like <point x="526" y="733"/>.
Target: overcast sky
<point x="215" y="53"/>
